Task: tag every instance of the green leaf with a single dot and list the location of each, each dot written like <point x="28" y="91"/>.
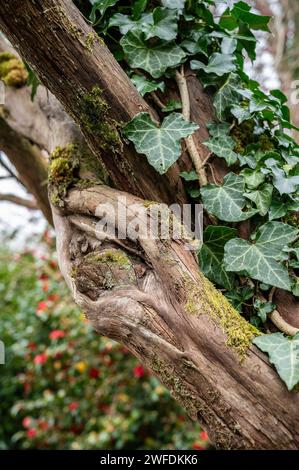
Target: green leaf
<point x="164" y="25"/>
<point x="284" y="184"/>
<point x="228" y="45"/>
<point x="138" y="8"/>
<point x="227" y="96"/>
<point x="175" y="4"/>
<point x="220" y="64"/>
<point x="191" y="176"/>
<point x="154" y="59"/>
<point x="252" y="178"/>
<point x="144" y="85"/>
<point x="283" y="354"/>
<point x="241" y="11"/>
<point x="239" y="295"/>
<point x="101" y="6"/>
<point x="161" y="145"/>
<point x="263" y="309"/>
<point x="240" y="113"/>
<point x="211" y="255"/>
<point x="172" y="105"/>
<point x="259" y="259"/>
<point x="221" y="144"/>
<point x="262" y="198"/>
<point x="277" y="209"/>
<point x="226" y="201"/>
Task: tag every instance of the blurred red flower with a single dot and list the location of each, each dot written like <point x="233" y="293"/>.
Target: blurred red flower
<point x="197" y="446"/>
<point x="31" y="346"/>
<point x="43" y="277"/>
<point x="56" y="334"/>
<point x="74" y="405"/>
<point x="26" y="422"/>
<point x="31" y="433"/>
<point x="40" y="358"/>
<point x="41" y="307"/>
<point x="139" y="371"/>
<point x="53" y="297"/>
<point x="94" y="373"/>
<point x="204" y="436"/>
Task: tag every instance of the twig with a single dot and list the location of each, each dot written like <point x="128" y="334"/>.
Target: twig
<point x="20" y="201"/>
<point x="9" y="171"/>
<point x="278" y="321"/>
<point x="190" y="143"/>
<point x="157" y="100"/>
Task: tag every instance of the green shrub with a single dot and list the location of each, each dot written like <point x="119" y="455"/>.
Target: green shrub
<point x="63" y="386"/>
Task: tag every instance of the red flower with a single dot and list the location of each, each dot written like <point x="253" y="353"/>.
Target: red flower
<point x="31" y="346"/>
<point x="204" y="436"/>
<point x="138" y="371"/>
<point x="43" y="277"/>
<point x="56" y="334"/>
<point x="27" y="388"/>
<point x="31" y="433"/>
<point x="53" y="297"/>
<point x="74" y="405"/>
<point x="41" y="307"/>
<point x="40" y="358"/>
<point x="45" y="287"/>
<point x="94" y="373"/>
<point x="26" y="422"/>
<point x="43" y="425"/>
<point x="197" y="446"/>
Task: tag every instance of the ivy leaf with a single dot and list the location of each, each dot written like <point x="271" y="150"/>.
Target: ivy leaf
<point x="125" y="23"/>
<point x="284" y="184"/>
<point x="220" y="64"/>
<point x="221" y="144"/>
<point x="226" y="201"/>
<point x="263" y="309"/>
<point x="172" y="105"/>
<point x="138" y="7"/>
<point x="239" y="295"/>
<point x="252" y="178"/>
<point x="283" y="354"/>
<point x="240" y="113"/>
<point x="262" y="198"/>
<point x="259" y="259"/>
<point x="144" y="85"/>
<point x="277" y="209"/>
<point x="211" y="254"/>
<point x="228" y="45"/>
<point x="175" y="4"/>
<point x="227" y="96"/>
<point x="161" y="144"/>
<point x="154" y="59"/>
<point x="241" y="11"/>
<point x="191" y="176"/>
<point x="164" y="25"/>
<point x="101" y="6"/>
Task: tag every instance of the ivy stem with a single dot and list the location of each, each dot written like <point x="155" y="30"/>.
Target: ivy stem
<point x="278" y="321"/>
<point x="157" y="100"/>
<point x="190" y="143"/>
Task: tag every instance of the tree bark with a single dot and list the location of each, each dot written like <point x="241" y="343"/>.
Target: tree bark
<point x="158" y="304"/>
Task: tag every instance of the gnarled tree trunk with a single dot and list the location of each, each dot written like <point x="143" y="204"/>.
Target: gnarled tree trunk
<point x="147" y="294"/>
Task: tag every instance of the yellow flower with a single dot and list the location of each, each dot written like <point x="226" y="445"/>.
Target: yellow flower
<point x="81" y="366"/>
<point x="57" y="365"/>
<point x="123" y="397"/>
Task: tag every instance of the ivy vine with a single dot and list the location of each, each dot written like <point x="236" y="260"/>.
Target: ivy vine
<point x="156" y="42"/>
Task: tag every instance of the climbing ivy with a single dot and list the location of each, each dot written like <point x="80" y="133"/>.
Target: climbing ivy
<point x="251" y="134"/>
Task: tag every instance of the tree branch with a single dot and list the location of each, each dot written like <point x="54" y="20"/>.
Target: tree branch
<point x="20" y="201"/>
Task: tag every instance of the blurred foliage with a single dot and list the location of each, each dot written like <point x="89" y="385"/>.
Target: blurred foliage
<point x="63" y="386"/>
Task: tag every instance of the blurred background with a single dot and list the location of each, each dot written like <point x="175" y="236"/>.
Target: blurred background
<point x="64" y="387"/>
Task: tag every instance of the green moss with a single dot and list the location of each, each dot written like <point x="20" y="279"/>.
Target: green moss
<point x="12" y="70"/>
<point x="89" y="41"/>
<point x="292" y="218"/>
<point x="94" y="118"/>
<point x="110" y="256"/>
<point x="204" y="297"/>
<point x="266" y="143"/>
<point x="148" y="203"/>
<point x="243" y="135"/>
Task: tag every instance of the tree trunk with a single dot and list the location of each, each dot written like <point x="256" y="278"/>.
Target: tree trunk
<point x="149" y="294"/>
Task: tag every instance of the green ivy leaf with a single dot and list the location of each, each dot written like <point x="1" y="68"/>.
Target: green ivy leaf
<point x="144" y="85"/>
<point x="153" y="59"/>
<point x="227" y="96"/>
<point x="277" y="209"/>
<point x="172" y="105"/>
<point x="220" y="64"/>
<point x="241" y="11"/>
<point x="161" y="145"/>
<point x="221" y="144"/>
<point x="226" y="201"/>
<point x="239" y="295"/>
<point x="101" y="6"/>
<point x="175" y="4"/>
<point x="262" y="198"/>
<point x="211" y="254"/>
<point x="283" y="354"/>
<point x="191" y="176"/>
<point x="263" y="309"/>
<point x="284" y="184"/>
<point x="259" y="259"/>
<point x="252" y="178"/>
